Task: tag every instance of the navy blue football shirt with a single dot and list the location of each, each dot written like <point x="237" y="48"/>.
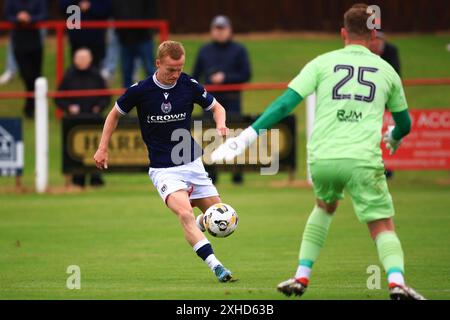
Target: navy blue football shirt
<point x="162" y="109"/>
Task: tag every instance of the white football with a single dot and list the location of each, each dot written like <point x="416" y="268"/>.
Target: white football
<point x="220" y="220"/>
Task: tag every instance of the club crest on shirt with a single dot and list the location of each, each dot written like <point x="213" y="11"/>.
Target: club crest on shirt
<point x="166" y="107"/>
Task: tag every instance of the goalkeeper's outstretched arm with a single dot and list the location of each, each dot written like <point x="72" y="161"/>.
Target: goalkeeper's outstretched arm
<point x="276" y="111"/>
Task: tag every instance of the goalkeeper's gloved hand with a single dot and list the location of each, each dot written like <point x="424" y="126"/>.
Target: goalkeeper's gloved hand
<point x="234" y="146"/>
<point x="391" y="144"/>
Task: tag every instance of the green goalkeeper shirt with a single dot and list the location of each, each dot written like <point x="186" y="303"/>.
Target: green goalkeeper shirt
<point x="353" y="86"/>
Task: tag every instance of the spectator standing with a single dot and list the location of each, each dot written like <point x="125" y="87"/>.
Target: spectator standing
<point x="93" y="39"/>
<point x="224" y="61"/>
<point x="27" y="42"/>
<point x="135" y="43"/>
<point x="11" y="67"/>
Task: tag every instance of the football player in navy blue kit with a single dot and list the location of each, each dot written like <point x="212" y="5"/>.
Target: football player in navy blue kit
<point x="164" y="104"/>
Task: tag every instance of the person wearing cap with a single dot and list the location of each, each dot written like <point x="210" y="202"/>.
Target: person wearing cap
<point x="223" y="61"/>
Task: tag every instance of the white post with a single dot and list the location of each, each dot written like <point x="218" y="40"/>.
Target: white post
<point x="310" y="114"/>
<point x="41" y="132"/>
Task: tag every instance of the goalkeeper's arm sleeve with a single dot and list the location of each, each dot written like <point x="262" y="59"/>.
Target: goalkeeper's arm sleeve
<point x="278" y="110"/>
<point x="402" y="124"/>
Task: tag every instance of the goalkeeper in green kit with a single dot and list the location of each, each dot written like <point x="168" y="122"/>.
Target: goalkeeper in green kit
<point x="353" y="86"/>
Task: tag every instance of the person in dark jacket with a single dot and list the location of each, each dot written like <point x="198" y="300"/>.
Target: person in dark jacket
<point x="27" y="42"/>
<point x="389" y="53"/>
<point x="135" y="43"/>
<point x="83" y="76"/>
<point x="94" y="39"/>
<point x="224" y="61"/>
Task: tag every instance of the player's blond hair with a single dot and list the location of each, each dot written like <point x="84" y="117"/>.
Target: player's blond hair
<point x="172" y="49"/>
<point x="355" y="21"/>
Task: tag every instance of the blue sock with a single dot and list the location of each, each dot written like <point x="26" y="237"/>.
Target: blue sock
<point x="205" y="251"/>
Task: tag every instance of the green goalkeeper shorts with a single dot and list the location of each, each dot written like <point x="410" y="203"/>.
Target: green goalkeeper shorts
<point x="366" y="185"/>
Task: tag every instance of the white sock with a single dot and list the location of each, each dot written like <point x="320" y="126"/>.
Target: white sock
<point x="212" y="262"/>
<point x="200" y="244"/>
<point x="199" y="223"/>
<point x="303" y="272"/>
<point x="396" y="277"/>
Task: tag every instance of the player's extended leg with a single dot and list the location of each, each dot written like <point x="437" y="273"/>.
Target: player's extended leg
<point x="390" y="253"/>
<point x="373" y="205"/>
<point x="204" y="204"/>
<point x="179" y="203"/>
<point x="314" y="236"/>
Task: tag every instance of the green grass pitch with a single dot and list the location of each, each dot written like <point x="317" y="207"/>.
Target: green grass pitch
<point x="129" y="246"/>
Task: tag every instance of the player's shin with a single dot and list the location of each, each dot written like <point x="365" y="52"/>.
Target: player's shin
<point x="391" y="256"/>
<point x="314" y="236"/>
